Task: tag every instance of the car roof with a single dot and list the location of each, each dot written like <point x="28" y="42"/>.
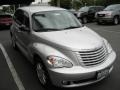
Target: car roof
<point x="114" y="5"/>
<point x="34" y="9"/>
<point x="95" y="6"/>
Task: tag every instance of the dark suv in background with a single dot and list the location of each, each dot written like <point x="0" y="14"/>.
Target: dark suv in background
<point x="87" y="13"/>
<point x="110" y="14"/>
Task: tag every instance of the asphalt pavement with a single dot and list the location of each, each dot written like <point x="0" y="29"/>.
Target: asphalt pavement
<point x="28" y="76"/>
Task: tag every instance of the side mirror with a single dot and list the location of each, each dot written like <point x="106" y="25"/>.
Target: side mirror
<point x="24" y="28"/>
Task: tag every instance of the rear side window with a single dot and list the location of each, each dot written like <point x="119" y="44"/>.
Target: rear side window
<point x="22" y="17"/>
<point x="26" y="20"/>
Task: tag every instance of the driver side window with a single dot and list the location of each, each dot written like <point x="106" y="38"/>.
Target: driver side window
<point x="26" y="20"/>
<point x="18" y="17"/>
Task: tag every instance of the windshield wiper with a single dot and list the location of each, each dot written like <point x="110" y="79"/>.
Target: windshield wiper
<point x="72" y="27"/>
<point x="47" y="29"/>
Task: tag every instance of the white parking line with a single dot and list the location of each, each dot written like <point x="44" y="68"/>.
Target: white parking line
<point x="12" y="69"/>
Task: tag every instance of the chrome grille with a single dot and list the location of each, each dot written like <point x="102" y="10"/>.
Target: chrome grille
<point x="101" y="15"/>
<point x="92" y="57"/>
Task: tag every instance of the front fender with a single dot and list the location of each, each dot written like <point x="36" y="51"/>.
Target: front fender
<point x="44" y="50"/>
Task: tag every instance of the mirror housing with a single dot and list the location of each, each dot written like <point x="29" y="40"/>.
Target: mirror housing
<point x="24" y="28"/>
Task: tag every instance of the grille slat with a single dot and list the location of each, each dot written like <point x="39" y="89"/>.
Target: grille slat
<point x="91" y="52"/>
<point x="94" y="60"/>
<point x="100" y="15"/>
<point x="93" y="57"/>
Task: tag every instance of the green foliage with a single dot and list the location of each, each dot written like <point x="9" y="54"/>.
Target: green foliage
<point x="63" y="3"/>
<point x="53" y="2"/>
<point x="79" y="3"/>
<point x="66" y="4"/>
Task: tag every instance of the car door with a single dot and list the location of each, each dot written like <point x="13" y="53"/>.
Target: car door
<point x="18" y="21"/>
<point x="25" y="33"/>
<point x="23" y="30"/>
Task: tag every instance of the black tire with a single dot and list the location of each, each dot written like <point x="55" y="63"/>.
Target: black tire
<point x="116" y="20"/>
<point x="13" y="42"/>
<point x="99" y="23"/>
<point x="42" y="73"/>
<point x="84" y="20"/>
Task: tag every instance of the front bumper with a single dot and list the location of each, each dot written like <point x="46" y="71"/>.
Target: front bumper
<point x="105" y="19"/>
<point x="80" y="76"/>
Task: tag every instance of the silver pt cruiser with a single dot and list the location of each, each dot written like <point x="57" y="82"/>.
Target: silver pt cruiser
<point x="64" y="52"/>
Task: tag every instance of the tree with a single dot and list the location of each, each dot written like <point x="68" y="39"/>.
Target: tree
<point x="63" y="3"/>
<point x="79" y="3"/>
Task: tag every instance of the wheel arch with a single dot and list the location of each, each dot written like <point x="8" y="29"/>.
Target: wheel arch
<point x="34" y="58"/>
<point x="117" y="16"/>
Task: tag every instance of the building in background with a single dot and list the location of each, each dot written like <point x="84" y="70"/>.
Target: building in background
<point x="40" y="2"/>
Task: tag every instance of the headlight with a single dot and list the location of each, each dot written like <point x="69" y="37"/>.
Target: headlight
<point x="108" y="14"/>
<point x="108" y="46"/>
<point x="58" y="62"/>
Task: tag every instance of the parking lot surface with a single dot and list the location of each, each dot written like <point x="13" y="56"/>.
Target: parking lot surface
<point x="28" y="76"/>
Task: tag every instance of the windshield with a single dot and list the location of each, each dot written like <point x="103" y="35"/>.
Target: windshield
<point x="84" y="9"/>
<point x="111" y="8"/>
<point x="54" y="20"/>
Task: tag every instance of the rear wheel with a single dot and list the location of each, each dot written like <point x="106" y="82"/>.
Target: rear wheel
<point x="13" y="42"/>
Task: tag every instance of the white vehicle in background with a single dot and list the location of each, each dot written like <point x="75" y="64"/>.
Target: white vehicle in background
<point x="110" y="14"/>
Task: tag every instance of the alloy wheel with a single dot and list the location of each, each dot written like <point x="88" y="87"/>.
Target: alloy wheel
<point x="116" y="21"/>
<point x="85" y="20"/>
<point x="41" y="73"/>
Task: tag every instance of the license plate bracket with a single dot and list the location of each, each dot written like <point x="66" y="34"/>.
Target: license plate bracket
<point x="102" y="73"/>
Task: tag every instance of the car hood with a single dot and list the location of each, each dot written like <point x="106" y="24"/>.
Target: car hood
<point x="104" y="12"/>
<point x="74" y="39"/>
<point x="81" y="12"/>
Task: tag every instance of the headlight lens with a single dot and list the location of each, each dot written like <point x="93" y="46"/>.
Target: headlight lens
<point x="108" y="14"/>
<point x="58" y="62"/>
<point x="108" y="46"/>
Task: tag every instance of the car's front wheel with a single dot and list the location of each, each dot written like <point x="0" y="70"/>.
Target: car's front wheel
<point x="42" y="73"/>
<point x="115" y="20"/>
<point x="99" y="23"/>
<point x="84" y="20"/>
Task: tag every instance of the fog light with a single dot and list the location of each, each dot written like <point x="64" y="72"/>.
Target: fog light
<point x="111" y="69"/>
<point x="66" y="82"/>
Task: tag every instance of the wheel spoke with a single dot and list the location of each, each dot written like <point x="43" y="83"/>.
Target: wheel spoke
<point x="41" y="74"/>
